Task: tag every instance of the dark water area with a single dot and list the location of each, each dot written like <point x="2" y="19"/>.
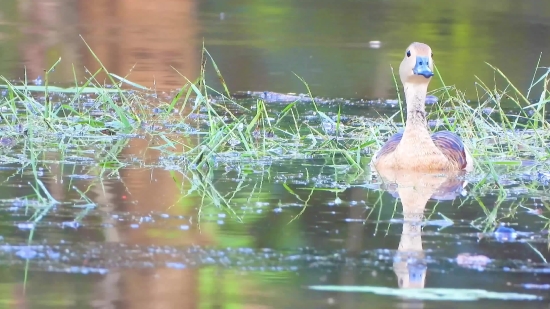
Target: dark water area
<point x="80" y="228"/>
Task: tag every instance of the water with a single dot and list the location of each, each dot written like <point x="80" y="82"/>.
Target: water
<point x="253" y="232"/>
<point x="259" y="46"/>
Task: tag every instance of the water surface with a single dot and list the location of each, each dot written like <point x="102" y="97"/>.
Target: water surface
<point x="287" y="230"/>
<point x="259" y="46"/>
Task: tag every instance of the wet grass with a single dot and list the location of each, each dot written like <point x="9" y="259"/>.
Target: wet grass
<point x="505" y="131"/>
<point x="200" y="130"/>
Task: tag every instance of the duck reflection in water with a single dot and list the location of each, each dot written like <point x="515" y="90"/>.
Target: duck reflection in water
<point x="415" y="189"/>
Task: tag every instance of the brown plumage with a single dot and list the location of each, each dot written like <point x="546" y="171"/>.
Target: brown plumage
<point x="414" y="148"/>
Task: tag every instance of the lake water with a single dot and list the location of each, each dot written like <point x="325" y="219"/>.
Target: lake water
<point x="290" y="230"/>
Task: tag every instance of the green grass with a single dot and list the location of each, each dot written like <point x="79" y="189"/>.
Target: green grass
<point x="499" y="140"/>
<point x="199" y="128"/>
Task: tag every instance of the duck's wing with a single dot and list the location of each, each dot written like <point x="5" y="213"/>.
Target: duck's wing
<point x="389" y="146"/>
<point x="452" y="147"/>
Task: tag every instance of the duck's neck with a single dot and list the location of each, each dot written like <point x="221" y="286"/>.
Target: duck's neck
<point x="415" y="96"/>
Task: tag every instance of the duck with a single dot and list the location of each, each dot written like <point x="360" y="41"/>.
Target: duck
<point x="415" y="149"/>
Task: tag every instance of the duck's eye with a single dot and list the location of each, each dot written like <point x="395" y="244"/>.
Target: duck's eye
<point x="408" y="53"/>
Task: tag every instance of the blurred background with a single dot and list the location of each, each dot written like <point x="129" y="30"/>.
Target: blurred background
<point x="341" y="48"/>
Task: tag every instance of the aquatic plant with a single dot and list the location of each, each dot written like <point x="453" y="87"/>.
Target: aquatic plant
<point x="198" y="129"/>
<point x="506" y="132"/>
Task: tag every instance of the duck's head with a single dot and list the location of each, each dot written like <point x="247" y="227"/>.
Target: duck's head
<point x="417" y="66"/>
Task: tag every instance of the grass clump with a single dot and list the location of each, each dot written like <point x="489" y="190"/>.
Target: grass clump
<point x="200" y="129"/>
<point x="506" y="132"/>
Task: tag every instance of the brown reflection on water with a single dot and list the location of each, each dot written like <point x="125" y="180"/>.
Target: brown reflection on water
<point x="154" y="190"/>
<point x="152" y="36"/>
<point x="143" y="38"/>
